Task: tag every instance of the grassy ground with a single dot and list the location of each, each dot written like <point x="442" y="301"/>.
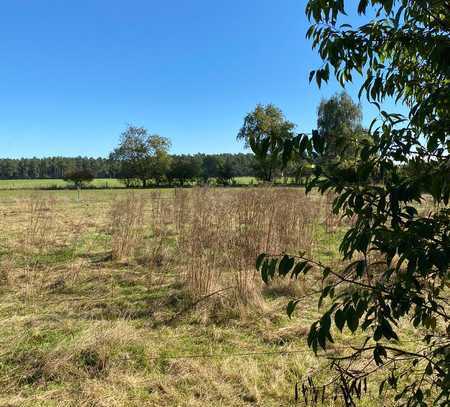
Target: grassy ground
<point x="54" y="183"/>
<point x="79" y="327"/>
<point x="13" y="184"/>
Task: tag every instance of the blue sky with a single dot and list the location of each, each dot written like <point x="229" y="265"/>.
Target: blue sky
<point x="74" y="73"/>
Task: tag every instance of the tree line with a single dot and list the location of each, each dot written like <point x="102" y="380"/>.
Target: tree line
<point x="142" y="159"/>
<point x="198" y="166"/>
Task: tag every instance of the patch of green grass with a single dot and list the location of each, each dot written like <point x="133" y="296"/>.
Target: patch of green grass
<point x="56" y="183"/>
<point x="53" y="257"/>
<point x="100" y="183"/>
<point x="326" y="243"/>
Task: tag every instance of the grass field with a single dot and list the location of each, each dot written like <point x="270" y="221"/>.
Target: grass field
<point x="54" y="183"/>
<point x="98" y="183"/>
<point x="150" y="298"/>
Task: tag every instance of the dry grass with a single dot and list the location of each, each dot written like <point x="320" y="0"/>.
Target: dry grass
<point x="40" y="228"/>
<point x="126" y="226"/>
<point x="102" y="299"/>
<point x="215" y="235"/>
<point x="223" y="232"/>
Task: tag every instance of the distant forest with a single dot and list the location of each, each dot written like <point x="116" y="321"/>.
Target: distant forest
<point x="56" y="167"/>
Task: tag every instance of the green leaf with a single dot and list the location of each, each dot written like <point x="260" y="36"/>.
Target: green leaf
<point x="265" y="271"/>
<point x="339" y="319"/>
<point x="318" y="141"/>
<point x="362" y="6"/>
<point x="378" y="333"/>
<point x="254" y="146"/>
<point x="361" y="268"/>
<point x="291" y="307"/>
<point x="352" y="319"/>
<point x="365" y="153"/>
<point x="285" y="265"/>
<point x="271" y="268"/>
<point x="387" y="330"/>
<point x="299" y="268"/>
<point x="259" y="260"/>
<point x="378" y="352"/>
<point x="287" y="152"/>
<point x="366" y="323"/>
<point x="322" y="338"/>
<point x="303" y="145"/>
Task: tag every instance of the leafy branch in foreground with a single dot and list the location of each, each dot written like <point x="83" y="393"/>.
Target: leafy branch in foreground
<point x="396" y="254"/>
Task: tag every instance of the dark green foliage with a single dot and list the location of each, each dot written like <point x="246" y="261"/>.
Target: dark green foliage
<point x="54" y="167"/>
<point x="210" y="167"/>
<point x="339" y="128"/>
<point x="225" y="171"/>
<point x="141" y="156"/>
<point x="184" y="168"/>
<point x="264" y="130"/>
<point x="79" y="177"/>
<point x="214" y="166"/>
<point x="397" y="255"/>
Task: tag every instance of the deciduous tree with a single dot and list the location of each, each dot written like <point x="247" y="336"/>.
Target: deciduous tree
<point x="339" y="123"/>
<point x="264" y="130"/>
<point x="142" y="156"/>
<point x="396" y="255"/>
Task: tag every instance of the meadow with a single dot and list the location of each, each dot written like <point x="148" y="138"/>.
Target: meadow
<point x="151" y="298"/>
<point x="55" y="183"/>
<point x="98" y="183"/>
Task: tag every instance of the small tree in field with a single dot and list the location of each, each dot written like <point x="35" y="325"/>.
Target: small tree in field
<point x="79" y="178"/>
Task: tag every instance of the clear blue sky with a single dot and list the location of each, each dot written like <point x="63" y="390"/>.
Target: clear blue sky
<point x="74" y="73"/>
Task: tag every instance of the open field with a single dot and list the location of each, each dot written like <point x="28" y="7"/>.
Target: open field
<point x="99" y="183"/>
<point x="150" y="298"/>
<point x="55" y="183"/>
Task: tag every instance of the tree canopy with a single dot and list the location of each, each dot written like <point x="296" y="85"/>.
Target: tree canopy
<point x="264" y="130"/>
<point x="141" y="155"/>
<point x="339" y="123"/>
<point x="57" y="167"/>
<point x="79" y="177"/>
<point x="184" y="168"/>
<point x="396" y="254"/>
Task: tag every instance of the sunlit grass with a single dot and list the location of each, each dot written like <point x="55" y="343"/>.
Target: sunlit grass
<point x="78" y="327"/>
<point x="99" y="183"/>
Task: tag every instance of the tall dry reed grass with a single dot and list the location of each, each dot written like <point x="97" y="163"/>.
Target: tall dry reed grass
<point x="126" y="226"/>
<point x="226" y="230"/>
<point x="212" y="236"/>
<point x="40" y="228"/>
